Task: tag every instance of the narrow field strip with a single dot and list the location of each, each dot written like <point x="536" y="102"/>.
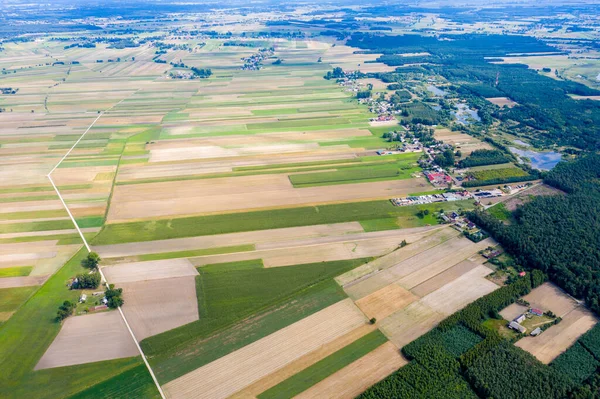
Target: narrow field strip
<point x="158" y="387"/>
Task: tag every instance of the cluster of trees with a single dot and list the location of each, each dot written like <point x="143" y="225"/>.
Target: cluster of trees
<point x="114" y="296"/>
<point x="363" y="94"/>
<point x="336" y="73"/>
<point x="559" y="234"/>
<point x="445" y="159"/>
<point x="65" y="310"/>
<point x="91" y="261"/>
<point x="484" y="157"/>
<point x="88" y="280"/>
<point x="201" y="72"/>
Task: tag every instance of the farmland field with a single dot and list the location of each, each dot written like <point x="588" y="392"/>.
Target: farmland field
<point x="242" y="173"/>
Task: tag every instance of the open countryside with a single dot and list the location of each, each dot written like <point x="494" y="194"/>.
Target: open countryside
<point x="277" y="200"/>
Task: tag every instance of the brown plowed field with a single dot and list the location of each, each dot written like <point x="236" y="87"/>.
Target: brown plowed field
<point x="89" y="338"/>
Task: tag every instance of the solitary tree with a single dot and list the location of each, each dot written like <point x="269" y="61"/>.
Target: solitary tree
<point x="91" y="261"/>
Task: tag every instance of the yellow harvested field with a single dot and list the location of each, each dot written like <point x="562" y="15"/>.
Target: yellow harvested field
<point x="241" y="193"/>
<point x="459" y="293"/>
<point x="156" y="306"/>
<point x="386" y="301"/>
<point x="424" y="239"/>
<point x="89" y="338"/>
<point x="558" y="338"/>
<point x="502" y="101"/>
<point x="238" y="370"/>
<point x="410" y="323"/>
<point x="302" y="363"/>
<point x="355" y="378"/>
<point x="447" y="276"/>
<point x="151" y="270"/>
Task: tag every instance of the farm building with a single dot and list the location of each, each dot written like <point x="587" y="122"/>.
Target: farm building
<point x="517" y="327"/>
<point x="438" y="177"/>
<point x="536" y="312"/>
<point x="520" y="319"/>
<point x="536" y="332"/>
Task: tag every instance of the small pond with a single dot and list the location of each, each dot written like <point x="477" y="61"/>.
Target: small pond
<point x="539" y="160"/>
<point x="464" y="115"/>
<point x="436" y="91"/>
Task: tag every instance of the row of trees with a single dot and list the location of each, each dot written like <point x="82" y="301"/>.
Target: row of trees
<point x="484" y="157"/>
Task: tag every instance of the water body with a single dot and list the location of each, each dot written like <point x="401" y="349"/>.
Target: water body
<point x="464" y="115"/>
<point x="539" y="160"/>
<point x="436" y="91"/>
<point x="519" y="142"/>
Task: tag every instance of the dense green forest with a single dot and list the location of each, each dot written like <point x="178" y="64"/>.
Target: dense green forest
<point x="559" y="235"/>
<point x="544" y="104"/>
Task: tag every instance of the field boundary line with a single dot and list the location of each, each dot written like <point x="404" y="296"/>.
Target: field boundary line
<point x="160" y="391"/>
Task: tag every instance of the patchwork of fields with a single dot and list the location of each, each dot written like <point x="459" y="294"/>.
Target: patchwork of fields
<point x="245" y="216"/>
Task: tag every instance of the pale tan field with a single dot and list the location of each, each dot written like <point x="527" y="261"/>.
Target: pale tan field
<point x="428" y="238"/>
<point x="410" y="323"/>
<point x="151" y="270"/>
<point x="449" y="275"/>
<point x="418" y="268"/>
<point x="435" y="267"/>
<point x="87" y="339"/>
<point x="386" y="301"/>
<point x="240" y="369"/>
<point x="344" y="57"/>
<point x="459" y="293"/>
<point x="545" y="297"/>
<point x="199" y="167"/>
<point x="237" y="193"/>
<point x="285" y="235"/>
<point x="502" y="102"/>
<point x="355" y="378"/>
<point x="302" y="363"/>
<point x="463" y="142"/>
<point x="558" y="338"/>
<point x="26" y="281"/>
<point x="155" y="306"/>
<point x="586" y="97"/>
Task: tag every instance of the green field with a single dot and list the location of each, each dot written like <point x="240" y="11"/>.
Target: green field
<point x="230" y="294"/>
<point x="324" y="368"/>
<point x="491" y="174"/>
<point x="15" y="271"/>
<point x="500" y="212"/>
<point x="270" y="219"/>
<point x="196" y="252"/>
<point x="12" y="298"/>
<point x="180" y="351"/>
<point x="359" y="174"/>
<point x="133" y="383"/>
